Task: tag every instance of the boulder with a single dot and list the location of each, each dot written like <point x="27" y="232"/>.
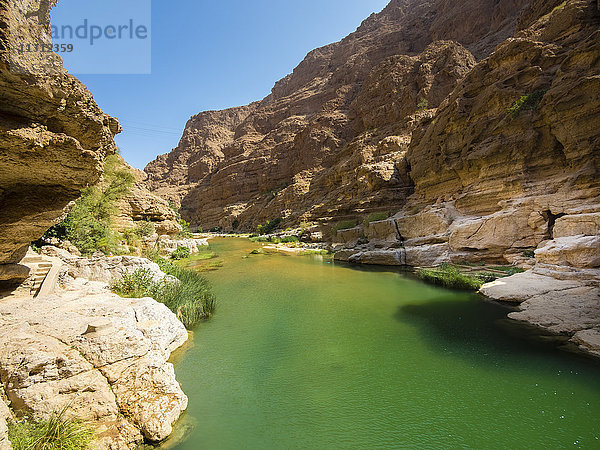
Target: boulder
<point x="16" y="272"/>
<point x="577" y="224"/>
<point x="523" y="286"/>
<point x="394" y="257"/>
<point x="577" y="251"/>
<point x="427" y="255"/>
<point x="384" y="230"/>
<point x="431" y="222"/>
<point x="350" y="236"/>
<point x="103" y="356"/>
<point x="103" y="268"/>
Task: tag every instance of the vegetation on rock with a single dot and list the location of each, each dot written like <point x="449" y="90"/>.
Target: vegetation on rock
<point x="345" y="225"/>
<point x="56" y="433"/>
<point x="190" y="296"/>
<point x="181" y="253"/>
<point x="526" y="103"/>
<point x="269" y="226"/>
<point x="89" y="224"/>
<point x="449" y="276"/>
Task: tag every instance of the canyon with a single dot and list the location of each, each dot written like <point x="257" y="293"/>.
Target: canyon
<point x="440" y="131"/>
<point x="472" y="126"/>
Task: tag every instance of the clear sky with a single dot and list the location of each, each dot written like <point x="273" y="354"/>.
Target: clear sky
<point x="212" y="55"/>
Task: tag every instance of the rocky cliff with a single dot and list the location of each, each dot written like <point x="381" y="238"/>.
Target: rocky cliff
<point x="53" y="136"/>
<point x="316" y="147"/>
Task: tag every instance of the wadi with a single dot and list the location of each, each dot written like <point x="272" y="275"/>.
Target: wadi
<point x="399" y="246"/>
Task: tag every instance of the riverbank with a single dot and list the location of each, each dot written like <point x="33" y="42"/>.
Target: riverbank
<point x="103" y="357"/>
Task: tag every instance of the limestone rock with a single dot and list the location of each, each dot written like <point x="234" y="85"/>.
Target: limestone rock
<point x="103" y="355"/>
<point x="577" y="224"/>
<point x="331" y="139"/>
<point x="13" y="272"/>
<point x="523" y="286"/>
<point x="427" y="255"/>
<point x="383" y="231"/>
<point x="431" y="222"/>
<point x="350" y="236"/>
<point x="576" y="251"/>
<point x="103" y="268"/>
<point x="562" y="307"/>
<point x="395" y="257"/>
<point x="142" y="205"/>
<point x="170" y="245"/>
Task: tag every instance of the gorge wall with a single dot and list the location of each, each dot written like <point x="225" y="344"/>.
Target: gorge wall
<point x="473" y="123"/>
<point x="53" y="136"/>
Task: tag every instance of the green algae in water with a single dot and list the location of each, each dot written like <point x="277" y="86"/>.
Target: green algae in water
<point x="304" y="353"/>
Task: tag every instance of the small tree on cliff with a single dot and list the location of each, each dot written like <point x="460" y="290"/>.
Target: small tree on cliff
<point x="89" y="224"/>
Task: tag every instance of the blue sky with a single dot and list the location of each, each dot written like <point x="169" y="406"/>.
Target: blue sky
<point x="209" y="55"/>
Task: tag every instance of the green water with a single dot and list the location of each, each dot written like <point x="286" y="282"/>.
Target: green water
<point x="303" y="353"/>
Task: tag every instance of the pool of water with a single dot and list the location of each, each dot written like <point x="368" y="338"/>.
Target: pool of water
<point x="305" y="353"/>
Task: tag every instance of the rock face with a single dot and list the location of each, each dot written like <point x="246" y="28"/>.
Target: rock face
<point x="103" y="356"/>
<point x="331" y="139"/>
<point x="53" y="136"/>
<point x="142" y="205"/>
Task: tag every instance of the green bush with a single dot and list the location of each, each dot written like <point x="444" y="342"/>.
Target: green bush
<point x="269" y="226"/>
<point x="289" y="239"/>
<point x="529" y="254"/>
<point x="190" y="298"/>
<point x="181" y="253"/>
<point x="423" y="104"/>
<point x="345" y="225"/>
<point x="450" y="277"/>
<point x="144" y="228"/>
<point x="89" y="225"/>
<point x="526" y="102"/>
<point x="56" y="433"/>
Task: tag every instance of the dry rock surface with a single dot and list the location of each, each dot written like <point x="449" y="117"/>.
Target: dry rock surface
<point x="103" y="356"/>
<point x="53" y="136"/>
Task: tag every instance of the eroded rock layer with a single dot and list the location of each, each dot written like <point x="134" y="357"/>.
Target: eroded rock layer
<point x="316" y="147"/>
<point x="53" y="136"/>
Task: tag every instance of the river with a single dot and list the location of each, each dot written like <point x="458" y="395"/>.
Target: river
<point x="305" y="353"/>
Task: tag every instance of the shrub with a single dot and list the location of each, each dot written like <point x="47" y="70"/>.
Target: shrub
<point x="181" y="253"/>
<point x="526" y="102"/>
<point x="144" y="228"/>
<point x="423" y="104"/>
<point x="134" y="284"/>
<point x="56" y="433"/>
<point x="269" y="226"/>
<point x="345" y="225"/>
<point x="190" y="298"/>
<point x="289" y="239"/>
<point x="450" y="277"/>
<point x="529" y="254"/>
<point x="89" y="224"/>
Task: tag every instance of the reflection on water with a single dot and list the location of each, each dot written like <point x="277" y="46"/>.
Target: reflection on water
<point x="303" y="353"/>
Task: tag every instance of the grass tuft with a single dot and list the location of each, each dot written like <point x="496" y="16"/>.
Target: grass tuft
<point x="56" y="433"/>
<point x="450" y="277"/>
<point x="190" y="297"/>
